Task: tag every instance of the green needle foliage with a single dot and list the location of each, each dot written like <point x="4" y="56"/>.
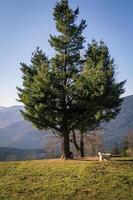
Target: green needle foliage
<point x="99" y="74"/>
<point x="99" y="91"/>
<point x="69" y="91"/>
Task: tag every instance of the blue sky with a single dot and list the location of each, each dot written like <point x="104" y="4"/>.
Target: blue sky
<point x="25" y="24"/>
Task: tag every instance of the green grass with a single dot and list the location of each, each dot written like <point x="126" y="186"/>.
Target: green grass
<point x="66" y="180"/>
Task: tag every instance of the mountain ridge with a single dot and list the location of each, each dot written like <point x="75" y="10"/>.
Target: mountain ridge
<point x="15" y="132"/>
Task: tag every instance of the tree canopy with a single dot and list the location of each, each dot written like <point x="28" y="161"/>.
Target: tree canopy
<point x="70" y="91"/>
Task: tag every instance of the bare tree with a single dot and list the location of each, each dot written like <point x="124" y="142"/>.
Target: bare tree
<point x="53" y="147"/>
<point x="128" y="143"/>
<point x="87" y="143"/>
<point x="93" y="142"/>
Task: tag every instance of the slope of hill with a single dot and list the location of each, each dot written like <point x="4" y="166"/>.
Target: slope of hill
<point x="72" y="180"/>
<point x="22" y="135"/>
<point x="116" y="129"/>
<point x="17" y="133"/>
<point x="10" y="154"/>
<point x="9" y="115"/>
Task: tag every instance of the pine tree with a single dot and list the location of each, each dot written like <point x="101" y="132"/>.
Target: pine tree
<point x="66" y="66"/>
<point x="100" y="74"/>
<point x="33" y="92"/>
<point x="68" y="92"/>
<point x="99" y="89"/>
<point x="50" y="96"/>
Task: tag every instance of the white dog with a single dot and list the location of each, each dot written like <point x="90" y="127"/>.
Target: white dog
<point x="104" y="156"/>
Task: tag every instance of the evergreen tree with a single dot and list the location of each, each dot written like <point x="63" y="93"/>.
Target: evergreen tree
<point x="49" y="93"/>
<point x="100" y="74"/>
<point x="34" y="76"/>
<point x="99" y="89"/>
<point x="67" y="92"/>
<point x="66" y="66"/>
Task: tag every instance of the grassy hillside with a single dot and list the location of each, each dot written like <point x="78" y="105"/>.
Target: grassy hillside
<point x="66" y="180"/>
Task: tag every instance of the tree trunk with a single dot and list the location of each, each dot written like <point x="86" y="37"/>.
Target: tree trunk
<point x="65" y="147"/>
<point x="79" y="147"/>
<point x="75" y="143"/>
<point x="82" y="154"/>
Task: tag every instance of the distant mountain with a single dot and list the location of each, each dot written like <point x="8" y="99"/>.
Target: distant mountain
<point x="21" y="134"/>
<point x="2" y="107"/>
<point x="116" y="129"/>
<point x="10" y="154"/>
<point x="15" y="132"/>
<point x="9" y="115"/>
